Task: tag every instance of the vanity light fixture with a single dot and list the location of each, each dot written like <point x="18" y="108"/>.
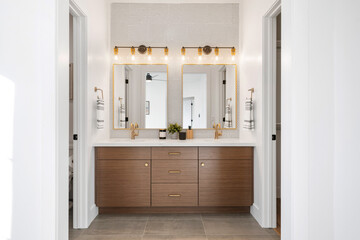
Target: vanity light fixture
<point x="216" y="53"/>
<point x="149" y="52"/>
<point x="233" y="53"/>
<point x="116" y="53"/>
<point x="183" y="53"/>
<point x="132" y="53"/>
<point x="166" y="52"/>
<point x="200" y="52"/>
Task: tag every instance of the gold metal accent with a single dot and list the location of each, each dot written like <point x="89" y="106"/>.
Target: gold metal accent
<point x="146" y="164"/>
<point x="202" y="164"/>
<point x="133" y="128"/>
<point x="116" y="51"/>
<point x="199" y="51"/>
<point x="149" y="50"/>
<point x="102" y="92"/>
<point x="252" y="90"/>
<point x="217" y="130"/>
<point x="183" y="51"/>
<point x="233" y="51"/>
<point x="174" y="153"/>
<point x="236" y="87"/>
<point x="174" y="195"/>
<point x="216" y="51"/>
<point x="174" y="171"/>
<point x="132" y="50"/>
<point x="166" y="51"/>
<point x="113" y="97"/>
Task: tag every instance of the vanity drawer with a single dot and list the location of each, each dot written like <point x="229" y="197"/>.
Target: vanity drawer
<point x="123" y="153"/>
<point x="174" y="171"/>
<point x="174" y="195"/>
<point x="174" y="153"/>
<point x="237" y="153"/>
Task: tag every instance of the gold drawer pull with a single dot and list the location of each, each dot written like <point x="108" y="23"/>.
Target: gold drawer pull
<point x="202" y="164"/>
<point x="174" y="171"/>
<point x="146" y="164"/>
<point x="174" y="153"/>
<point x="174" y="195"/>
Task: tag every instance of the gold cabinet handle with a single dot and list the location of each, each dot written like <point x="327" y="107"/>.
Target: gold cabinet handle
<point x="202" y="164"/>
<point x="174" y="153"/>
<point x="174" y="171"/>
<point x="174" y="195"/>
<point x="146" y="164"/>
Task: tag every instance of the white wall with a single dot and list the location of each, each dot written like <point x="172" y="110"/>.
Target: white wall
<point x="174" y="25"/>
<point x="98" y="73"/>
<point x="320" y="120"/>
<point x="251" y="15"/>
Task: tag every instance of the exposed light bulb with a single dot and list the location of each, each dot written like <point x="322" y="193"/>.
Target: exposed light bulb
<point x="183" y="58"/>
<point x="116" y="57"/>
<point x="200" y="57"/>
<point x="166" y="57"/>
<point x="217" y="58"/>
<point x="149" y="57"/>
<point x="133" y="57"/>
<point x="233" y="58"/>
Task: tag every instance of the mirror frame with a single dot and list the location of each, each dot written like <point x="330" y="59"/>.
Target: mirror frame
<point x="236" y="93"/>
<point x="167" y="93"/>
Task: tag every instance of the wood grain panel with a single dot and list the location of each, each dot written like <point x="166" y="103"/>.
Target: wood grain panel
<point x="181" y="195"/>
<point x="123" y="153"/>
<point x="174" y="171"/>
<point x="175" y="153"/>
<point x="226" y="153"/>
<point x="122" y="183"/>
<point x="225" y="182"/>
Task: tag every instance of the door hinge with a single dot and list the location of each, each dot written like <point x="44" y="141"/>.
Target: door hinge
<point x="126" y="81"/>
<point x="273" y="137"/>
<point x="224" y="81"/>
<point x="126" y="119"/>
<point x="75" y="137"/>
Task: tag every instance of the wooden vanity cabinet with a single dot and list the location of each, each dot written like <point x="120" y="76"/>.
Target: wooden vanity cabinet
<point x="225" y="176"/>
<point x="123" y="177"/>
<point x="174" y="179"/>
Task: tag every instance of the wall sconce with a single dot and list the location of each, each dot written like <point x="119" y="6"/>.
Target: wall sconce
<point x="200" y="53"/>
<point x="233" y="53"/>
<point x="142" y="49"/>
<point x="207" y="50"/>
<point x="132" y="53"/>
<point x="216" y="53"/>
<point x="149" y="52"/>
<point x="166" y="53"/>
<point x="116" y="53"/>
<point x="183" y="53"/>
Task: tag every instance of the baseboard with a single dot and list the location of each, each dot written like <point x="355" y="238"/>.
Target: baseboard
<point x="94" y="211"/>
<point x="255" y="212"/>
<point x="137" y="210"/>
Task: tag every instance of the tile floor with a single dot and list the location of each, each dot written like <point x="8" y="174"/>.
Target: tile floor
<point x="175" y="227"/>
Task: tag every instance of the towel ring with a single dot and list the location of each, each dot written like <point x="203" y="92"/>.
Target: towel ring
<point x="102" y="92"/>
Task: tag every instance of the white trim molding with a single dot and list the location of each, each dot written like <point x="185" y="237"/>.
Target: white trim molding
<point x="269" y="118"/>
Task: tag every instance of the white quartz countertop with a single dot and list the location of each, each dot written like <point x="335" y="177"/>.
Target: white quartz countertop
<point x="199" y="142"/>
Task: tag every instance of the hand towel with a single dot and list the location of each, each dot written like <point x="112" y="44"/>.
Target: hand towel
<point x="100" y="114"/>
<point x="249" y="122"/>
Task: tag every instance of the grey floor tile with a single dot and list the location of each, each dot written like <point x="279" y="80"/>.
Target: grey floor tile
<point x="74" y="234"/>
<point x="172" y="237"/>
<point x="112" y="217"/>
<point x="134" y="227"/>
<point x="236" y="226"/>
<point x="241" y="237"/>
<point x="174" y="227"/>
<point x="110" y="237"/>
<point x="227" y="216"/>
<point x="164" y="217"/>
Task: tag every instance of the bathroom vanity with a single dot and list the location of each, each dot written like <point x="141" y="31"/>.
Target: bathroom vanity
<point x="171" y="176"/>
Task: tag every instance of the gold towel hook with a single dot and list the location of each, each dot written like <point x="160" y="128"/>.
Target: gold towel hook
<point x="102" y="92"/>
<point x="252" y="90"/>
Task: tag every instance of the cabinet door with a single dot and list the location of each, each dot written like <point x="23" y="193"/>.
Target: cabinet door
<point x="123" y="183"/>
<point x="225" y="182"/>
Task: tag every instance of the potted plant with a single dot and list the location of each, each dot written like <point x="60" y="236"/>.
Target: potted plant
<point x="174" y="130"/>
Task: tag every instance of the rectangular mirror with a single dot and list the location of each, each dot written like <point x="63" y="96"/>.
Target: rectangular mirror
<point x="209" y="95"/>
<point x="140" y="95"/>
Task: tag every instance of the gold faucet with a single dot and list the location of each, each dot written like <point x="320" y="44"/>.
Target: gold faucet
<point x="133" y="128"/>
<point x="218" y="132"/>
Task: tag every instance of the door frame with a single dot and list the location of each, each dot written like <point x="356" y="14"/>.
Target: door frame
<point x="269" y="114"/>
<point x="80" y="204"/>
